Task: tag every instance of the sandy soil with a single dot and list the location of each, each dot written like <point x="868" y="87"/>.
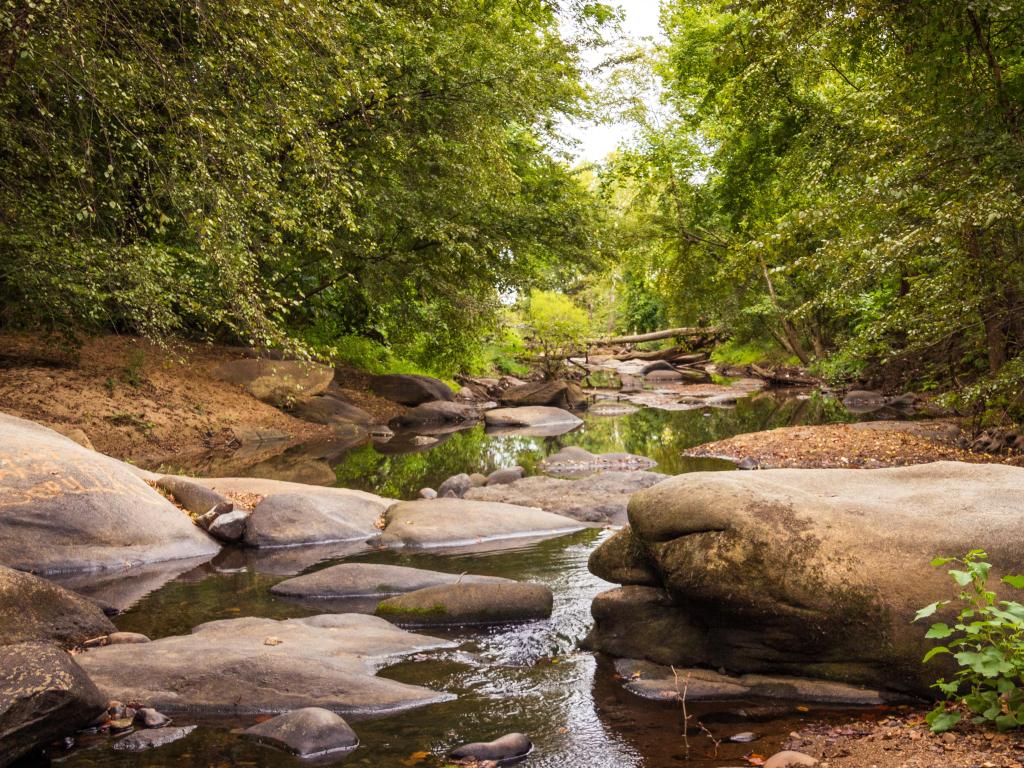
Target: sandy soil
<point x="903" y="740"/>
<point x="143" y="403"/>
<point x="870" y="444"/>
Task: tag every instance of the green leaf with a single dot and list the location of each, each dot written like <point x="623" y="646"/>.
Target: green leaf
<point x="963" y="578"/>
<point x="928" y="610"/>
<point x="938" y="631"/>
<point x="942" y="561"/>
<point x="1017" y="582"/>
<point x="935" y="652"/>
<point x="940" y="720"/>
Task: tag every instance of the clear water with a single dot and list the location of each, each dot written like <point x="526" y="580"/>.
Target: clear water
<point x="529" y="677"/>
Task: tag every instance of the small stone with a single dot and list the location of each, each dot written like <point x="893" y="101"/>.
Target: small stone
<point x="948" y="738"/>
<point x="456" y="485"/>
<point x="125" y="638"/>
<point x="789" y="759"/>
<point x="307" y="732"/>
<point x="223" y="508"/>
<point x="122" y="724"/>
<point x="747" y="463"/>
<point x="151" y="738"/>
<point x="428" y="493"/>
<point x="230" y="528"/>
<point x="150" y="718"/>
<point x="508" y="747"/>
<point x="424" y="440"/>
<point x="476" y="480"/>
<point x="743" y="738"/>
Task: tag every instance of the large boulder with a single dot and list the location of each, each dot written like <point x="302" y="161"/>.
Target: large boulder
<point x="409" y="389"/>
<point x="327" y="409"/>
<point x="437" y="412"/>
<point x="66" y="508"/>
<point x="33" y="609"/>
<point x="600" y="498"/>
<point x="283" y="383"/>
<point x="808" y="572"/>
<point x="44" y="695"/>
<point x="287" y="519"/>
<point x="452" y="522"/>
<point x="254" y="665"/>
<point x="472" y="603"/>
<point x="371" y="579"/>
<point x="558" y="394"/>
<point x="533" y="416"/>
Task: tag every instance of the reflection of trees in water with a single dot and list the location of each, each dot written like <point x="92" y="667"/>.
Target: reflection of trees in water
<point x="661" y="435"/>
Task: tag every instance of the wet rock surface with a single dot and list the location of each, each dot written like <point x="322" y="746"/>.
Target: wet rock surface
<point x="719" y="542"/>
<point x="252" y="665"/>
<point x="371" y="579"/>
<point x="472" y="603"/>
<point x="535" y="416"/>
<point x="509" y="747"/>
<point x="599" y="498"/>
<point x="151" y="738"/>
<point x="574" y="460"/>
<point x="44" y="695"/>
<point x="33" y="609"/>
<point x="66" y="508"/>
<point x="307" y="732"/>
<point x="447" y="522"/>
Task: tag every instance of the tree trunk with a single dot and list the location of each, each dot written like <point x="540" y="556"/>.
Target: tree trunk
<point x="792" y="339"/>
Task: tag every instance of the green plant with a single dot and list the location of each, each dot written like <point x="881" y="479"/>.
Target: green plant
<point x="987" y="641"/>
<point x="557" y="329"/>
<point x="132" y="371"/>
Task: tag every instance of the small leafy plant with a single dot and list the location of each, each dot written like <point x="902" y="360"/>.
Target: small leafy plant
<point x="987" y="641"/>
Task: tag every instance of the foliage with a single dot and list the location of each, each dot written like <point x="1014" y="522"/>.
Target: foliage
<point x="987" y="642"/>
<point x="556" y="328"/>
<point x="286" y="173"/>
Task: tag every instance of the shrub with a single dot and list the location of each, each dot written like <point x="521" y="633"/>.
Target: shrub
<point x="987" y="642"/>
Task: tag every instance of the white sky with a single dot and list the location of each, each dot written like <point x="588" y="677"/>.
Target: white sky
<point x="597" y="141"/>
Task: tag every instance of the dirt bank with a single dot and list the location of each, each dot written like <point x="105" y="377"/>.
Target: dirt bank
<point x="871" y="444"/>
<point x="144" y="403"/>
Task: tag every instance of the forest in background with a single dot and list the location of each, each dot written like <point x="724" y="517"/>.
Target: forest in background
<point x="832" y="183"/>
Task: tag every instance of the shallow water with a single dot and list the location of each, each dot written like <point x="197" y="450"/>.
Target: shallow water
<point x="528" y="677"/>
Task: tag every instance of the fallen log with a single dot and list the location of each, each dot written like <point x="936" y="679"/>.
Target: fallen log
<point x="669" y="333"/>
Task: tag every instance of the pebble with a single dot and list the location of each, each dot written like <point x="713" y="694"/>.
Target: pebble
<point x="150" y="718"/>
<point x="743" y="738"/>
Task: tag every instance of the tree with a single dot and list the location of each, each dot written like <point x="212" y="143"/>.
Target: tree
<point x="557" y="328"/>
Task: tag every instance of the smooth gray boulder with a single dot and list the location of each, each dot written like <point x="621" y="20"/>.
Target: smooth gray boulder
<point x="534" y="416"/>
<point x="574" y="460"/>
<point x="472" y="603"/>
<point x="282" y="383"/>
<point x="253" y="666"/>
<point x="599" y="498"/>
<point x="151" y="738"/>
<point x="437" y="412"/>
<point x="66" y="508"/>
<point x="505" y="475"/>
<point x="456" y="486"/>
<point x="196" y="498"/>
<point x="660" y="683"/>
<point x="33" y="609"/>
<point x="44" y="695"/>
<point x="621" y="560"/>
<point x="307" y="732"/>
<point x="511" y="746"/>
<point x="327" y="409"/>
<point x="809" y="572"/>
<point x="409" y="389"/>
<point x="371" y="579"/>
<point x="231" y="527"/>
<point x="448" y="522"/>
<point x="557" y="394"/>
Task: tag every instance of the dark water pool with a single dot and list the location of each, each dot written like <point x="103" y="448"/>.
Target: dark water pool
<point x="528" y="677"/>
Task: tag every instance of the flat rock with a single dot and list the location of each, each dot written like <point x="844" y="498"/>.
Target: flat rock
<point x="254" y="665"/>
<point x="327" y="409"/>
<point x="371" y="579"/>
<point x="557" y="394"/>
<point x="33" y="609"/>
<point x="473" y="603"/>
<point x="511" y="746"/>
<point x="531" y="416"/>
<point x="44" y="695"/>
<point x="409" y="389"/>
<point x="278" y="382"/>
<point x="437" y="412"/>
<point x="66" y="508"/>
<point x="598" y="498"/>
<point x="811" y="572"/>
<point x="151" y="738"/>
<point x="287" y="519"/>
<point x="307" y="732"/>
<point x="653" y="681"/>
<point x="574" y="460"/>
<point x="447" y="522"/>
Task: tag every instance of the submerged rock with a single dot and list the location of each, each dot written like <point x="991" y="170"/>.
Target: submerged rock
<point x="307" y="732"/>
<point x="595" y="499"/>
<point x="44" y="695"/>
<point x="66" y="508"/>
<point x="33" y="609"/>
<point x="151" y="738"/>
<point x="448" y="522"/>
<point x="371" y="579"/>
<point x="814" y="573"/>
<point x="253" y="665"/>
<point x="511" y="746"/>
<point x="473" y="603"/>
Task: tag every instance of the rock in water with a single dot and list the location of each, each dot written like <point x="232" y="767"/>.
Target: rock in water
<point x="511" y="746"/>
<point x="812" y="572"/>
<point x="66" y="508"/>
<point x="409" y="389"/>
<point x="230" y="528"/>
<point x="44" y="695"/>
<point x="452" y="522"/>
<point x="229" y="667"/>
<point x="557" y="394"/>
<point x="574" y="460"/>
<point x="35" y="609"/>
<point x="308" y="732"/>
<point x="151" y="738"/>
<point x="535" y="416"/>
<point x="473" y="603"/>
<point x="437" y="412"/>
<point x="371" y="579"/>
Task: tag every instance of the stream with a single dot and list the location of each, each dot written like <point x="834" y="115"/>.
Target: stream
<point x="527" y="677"/>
